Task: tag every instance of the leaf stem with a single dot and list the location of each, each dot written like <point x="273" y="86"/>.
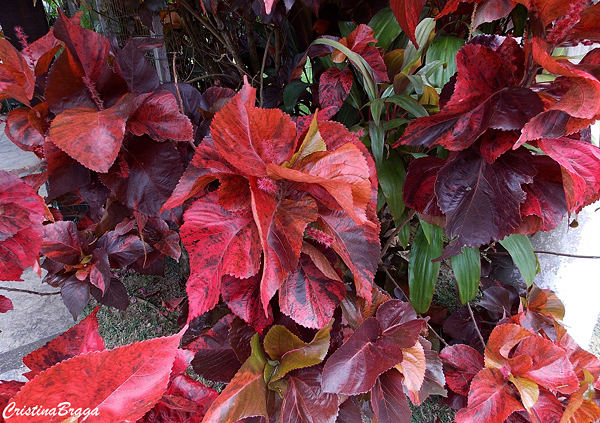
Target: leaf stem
<point x="475" y="324"/>
<point x="396" y="232"/>
<point x="27" y="291"/>
<point x="262" y="68"/>
<point x="553" y="253"/>
<point x="442" y="340"/>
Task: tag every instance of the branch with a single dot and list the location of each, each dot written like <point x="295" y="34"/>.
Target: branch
<point x="475" y="324"/>
<point x="262" y="68"/>
<point x="27" y="291"/>
<point x="442" y="340"/>
<point x="396" y="232"/>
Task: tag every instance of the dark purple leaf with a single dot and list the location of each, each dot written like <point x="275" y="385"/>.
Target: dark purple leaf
<point x="100" y="274"/>
<point x="122" y="249"/>
<point x="63" y="242"/>
<point x="140" y="75"/>
<point x="388" y="400"/>
<point x="75" y="294"/>
<point x="115" y="296"/>
<point x="65" y="174"/>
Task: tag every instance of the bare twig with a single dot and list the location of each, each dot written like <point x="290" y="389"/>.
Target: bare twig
<point x="471" y="28"/>
<point x="210" y="75"/>
<point x="27" y="291"/>
<point x="180" y="100"/>
<point x="553" y="253"/>
<point x="475" y="324"/>
<point x="437" y="335"/>
<point x="396" y="232"/>
<point x="262" y="68"/>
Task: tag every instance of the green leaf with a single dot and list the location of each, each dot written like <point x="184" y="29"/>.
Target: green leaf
<point x="246" y="394"/>
<point x="422" y="272"/>
<point x="422" y="34"/>
<point x="467" y="270"/>
<point x="291" y="92"/>
<point x="279" y="340"/>
<point x="409" y="104"/>
<point x="427" y="230"/>
<point x="417" y="82"/>
<point x="300" y="356"/>
<point x="377" y="137"/>
<point x="520" y="249"/>
<point x="376" y="109"/>
<point x="444" y="49"/>
<point x="385" y="27"/>
<point x="346" y="27"/>
<point x="394" y="123"/>
<point x="391" y="174"/>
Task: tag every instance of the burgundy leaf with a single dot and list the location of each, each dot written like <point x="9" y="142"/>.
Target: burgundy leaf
<point x="243" y="298"/>
<point x="388" y="400"/>
<point x="122" y="249"/>
<point x="147" y="178"/>
<point x="491" y="10"/>
<point x="75" y="294"/>
<point x="461" y="364"/>
<point x="490" y="399"/>
<point x="100" y="274"/>
<point x="483" y="203"/>
<point x="115" y="296"/>
<point x="20" y="130"/>
<point x="80" y="339"/>
<point x="407" y="14"/>
<point x="63" y="242"/>
<point x="140" y="75"/>
<point x="349" y="413"/>
<point x="158" y="116"/>
<point x="65" y="174"/>
<point x="494" y="143"/>
<point x="353" y="369"/>
<point x="308" y="296"/>
<point x="138" y="377"/>
<point x="209" y="234"/>
<point x="334" y="87"/>
<point x="580" y="165"/>
<point x="13" y="218"/>
<point x="304" y="401"/>
<point x="418" y="190"/>
<point x="249" y="137"/>
<point x="5" y="304"/>
<point x="92" y="137"/>
<point x="193" y="101"/>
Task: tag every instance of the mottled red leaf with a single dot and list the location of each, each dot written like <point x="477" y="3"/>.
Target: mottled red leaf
<point x="122" y="249"/>
<point x="5" y="304"/>
<point x="92" y="137"/>
<point x="547" y="10"/>
<point x="80" y="339"/>
<point x="20" y="130"/>
<point x="63" y="242"/>
<point x="209" y="234"/>
<point x="249" y="138"/>
<point x="483" y="204"/>
<point x="100" y="274"/>
<point x="491" y="399"/>
<point x="494" y="143"/>
<point x="353" y="369"/>
<point x="16" y="77"/>
<point x="158" y="116"/>
<point x="552" y="124"/>
<point x="148" y="177"/>
<point x="407" y="13"/>
<point x="138" y="377"/>
<point x="8" y="389"/>
<point x="41" y="52"/>
<point x="580" y="165"/>
<point x="308" y="296"/>
<point x="461" y="364"/>
<point x="13" y="218"/>
<point x="502" y="339"/>
<point x="357" y="245"/>
<point x="243" y="295"/>
<point x="246" y="394"/>
<point x="334" y="87"/>
<point x="136" y="70"/>
<point x="388" y="400"/>
<point x="305" y="402"/>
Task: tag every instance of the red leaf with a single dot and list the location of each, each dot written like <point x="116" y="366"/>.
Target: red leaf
<point x="502" y="339"/>
<point x="491" y="399"/>
<point x="304" y="401"/>
<point x="8" y="389"/>
<point x="547" y="10"/>
<point x="151" y="169"/>
<point x="482" y="205"/>
<point x="245" y="396"/>
<point x="551" y="366"/>
<point x="5" y="304"/>
<point x="407" y="13"/>
<point x="92" y="137"/>
<point x="210" y="233"/>
<point x="388" y="400"/>
<point x="249" y="138"/>
<point x="357" y="245"/>
<point x="138" y="376"/>
<point x="491" y="10"/>
<point x="63" y="242"/>
<point x="90" y="48"/>
<point x="552" y="124"/>
<point x="353" y="369"/>
<point x="158" y="116"/>
<point x="580" y="165"/>
<point x="243" y="297"/>
<point x="41" y="52"/>
<point x="309" y="297"/>
<point x="16" y="77"/>
<point x="21" y="215"/>
<point x="334" y="87"/>
<point x="20" y="130"/>
<point x="461" y="364"/>
<point x="80" y="339"/>
<point x="494" y="143"/>
<point x="418" y="190"/>
<point x="399" y="322"/>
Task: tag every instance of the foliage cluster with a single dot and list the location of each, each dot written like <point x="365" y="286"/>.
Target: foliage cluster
<point x="397" y="110"/>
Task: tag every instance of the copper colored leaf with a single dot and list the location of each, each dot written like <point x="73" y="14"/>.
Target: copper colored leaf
<point x="413" y="367"/>
<point x="434" y="381"/>
<point x="353" y="369"/>
<point x="491" y="399"/>
<point x="407" y="13"/>
<point x="80" y="339"/>
<point x="92" y="137"/>
<point x="334" y="87"/>
<point x="308" y="296"/>
<point x="487" y="197"/>
<point x="502" y="339"/>
<point x="209" y="234"/>
<point x="249" y="137"/>
<point x="245" y="396"/>
<point x="279" y="340"/>
<point x="388" y="400"/>
<point x="461" y="364"/>
<point x="20" y="130"/>
<point x="158" y="116"/>
<point x="16" y="77"/>
<point x="305" y="402"/>
<point x="5" y="304"/>
<point x="243" y="298"/>
<point x="138" y="377"/>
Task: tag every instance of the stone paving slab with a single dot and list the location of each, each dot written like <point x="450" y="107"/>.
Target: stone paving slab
<point x="15" y="160"/>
